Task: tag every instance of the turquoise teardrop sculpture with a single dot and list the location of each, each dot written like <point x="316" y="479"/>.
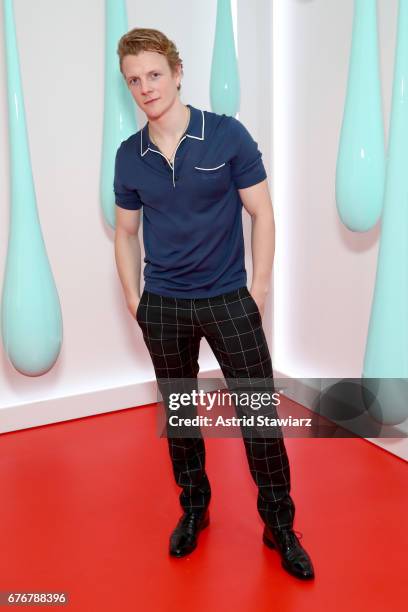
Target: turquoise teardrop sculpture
<point x="119" y="120"/>
<point x="360" y="168"/>
<point x="224" y="82"/>
<point x="31" y="313"/>
<point x="386" y="355"/>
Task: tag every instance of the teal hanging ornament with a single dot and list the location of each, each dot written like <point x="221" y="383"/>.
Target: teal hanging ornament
<point x="360" y="168"/>
<point x="119" y="120"/>
<point x="224" y="82"/>
<point x="386" y="355"/>
<point x="31" y="314"/>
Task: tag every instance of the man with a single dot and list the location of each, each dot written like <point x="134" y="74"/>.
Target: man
<point x="192" y="171"/>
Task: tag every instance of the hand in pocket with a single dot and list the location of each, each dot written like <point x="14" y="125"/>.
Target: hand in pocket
<point x="133" y="305"/>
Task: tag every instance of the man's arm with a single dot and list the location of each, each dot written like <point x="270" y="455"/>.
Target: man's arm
<point x="128" y="255"/>
<point x="257" y="202"/>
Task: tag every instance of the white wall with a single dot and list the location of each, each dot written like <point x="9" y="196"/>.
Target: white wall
<point x="104" y="364"/>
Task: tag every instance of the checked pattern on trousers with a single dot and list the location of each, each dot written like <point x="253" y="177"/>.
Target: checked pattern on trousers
<point x="172" y="329"/>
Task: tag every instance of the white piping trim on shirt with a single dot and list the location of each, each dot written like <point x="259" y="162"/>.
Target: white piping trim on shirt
<point x="160" y="153"/>
<point x="180" y="141"/>
<point x="188" y="135"/>
<point x="202" y="130"/>
<point x="216" y="167"/>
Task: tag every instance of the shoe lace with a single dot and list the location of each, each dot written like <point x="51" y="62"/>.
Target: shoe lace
<point x="292" y="537"/>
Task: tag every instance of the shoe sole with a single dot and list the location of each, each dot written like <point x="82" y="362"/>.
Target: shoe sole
<point x="203" y="526"/>
<point x="272" y="545"/>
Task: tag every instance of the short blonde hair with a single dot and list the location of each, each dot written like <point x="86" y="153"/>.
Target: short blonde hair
<point x="147" y="39"/>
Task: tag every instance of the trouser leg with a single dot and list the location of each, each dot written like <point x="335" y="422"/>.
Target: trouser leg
<point x="233" y="329"/>
<point x="173" y="342"/>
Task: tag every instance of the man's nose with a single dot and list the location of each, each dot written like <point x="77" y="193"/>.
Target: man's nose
<point x="145" y="87"/>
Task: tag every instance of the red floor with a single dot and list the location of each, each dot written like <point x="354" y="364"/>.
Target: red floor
<point x="81" y="512"/>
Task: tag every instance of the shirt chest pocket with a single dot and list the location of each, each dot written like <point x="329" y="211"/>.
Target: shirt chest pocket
<point x="212" y="179"/>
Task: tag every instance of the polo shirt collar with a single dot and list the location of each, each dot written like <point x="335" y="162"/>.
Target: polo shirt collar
<point x="195" y="129"/>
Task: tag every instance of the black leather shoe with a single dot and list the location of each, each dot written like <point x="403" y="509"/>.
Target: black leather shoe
<point x="295" y="559"/>
<point x="183" y="540"/>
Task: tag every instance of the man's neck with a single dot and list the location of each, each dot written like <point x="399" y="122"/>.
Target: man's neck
<point x="168" y="126"/>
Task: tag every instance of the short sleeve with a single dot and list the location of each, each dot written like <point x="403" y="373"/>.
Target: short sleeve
<point x="124" y="197"/>
<point x="247" y="167"/>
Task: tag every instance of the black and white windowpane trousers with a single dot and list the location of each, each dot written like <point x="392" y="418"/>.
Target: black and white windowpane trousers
<point x="172" y="330"/>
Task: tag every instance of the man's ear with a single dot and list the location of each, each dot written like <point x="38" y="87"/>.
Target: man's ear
<point x="180" y="73"/>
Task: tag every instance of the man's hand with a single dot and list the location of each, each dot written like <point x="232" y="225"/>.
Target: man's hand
<point x="260" y="299"/>
<point x="132" y="304"/>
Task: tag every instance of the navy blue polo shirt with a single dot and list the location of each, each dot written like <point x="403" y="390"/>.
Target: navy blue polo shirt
<point x="192" y="212"/>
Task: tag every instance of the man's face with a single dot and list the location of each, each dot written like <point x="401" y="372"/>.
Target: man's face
<point x="151" y="82"/>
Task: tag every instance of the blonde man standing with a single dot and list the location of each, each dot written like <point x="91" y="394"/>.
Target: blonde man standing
<point x="192" y="171"/>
